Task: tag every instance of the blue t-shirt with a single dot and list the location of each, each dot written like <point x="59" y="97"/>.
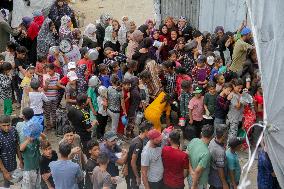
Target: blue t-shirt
<point x="65" y="174"/>
<point x="105" y="80"/>
<point x="214" y="72"/>
<point x="233" y="164"/>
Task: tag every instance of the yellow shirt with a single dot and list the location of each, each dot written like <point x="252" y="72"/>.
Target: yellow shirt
<point x="26" y="82"/>
<point x="157" y="108"/>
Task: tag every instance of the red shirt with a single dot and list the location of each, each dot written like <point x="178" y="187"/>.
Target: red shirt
<point x="259" y="100"/>
<point x="64" y="81"/>
<point x="88" y="63"/>
<point x="174" y="161"/>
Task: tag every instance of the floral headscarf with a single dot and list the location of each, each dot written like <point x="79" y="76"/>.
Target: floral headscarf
<point x="103" y="18"/>
<point x="82" y="85"/>
<point x="45" y="39"/>
<point x="90" y="29"/>
<point x="65" y="30"/>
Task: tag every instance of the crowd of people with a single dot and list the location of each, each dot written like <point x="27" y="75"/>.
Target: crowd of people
<point x="151" y="86"/>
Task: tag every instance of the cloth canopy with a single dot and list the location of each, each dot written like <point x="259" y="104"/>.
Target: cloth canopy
<point x="267" y="24"/>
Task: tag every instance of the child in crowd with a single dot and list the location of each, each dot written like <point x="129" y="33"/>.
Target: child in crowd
<point x="235" y="114"/>
<point x="25" y="86"/>
<point x="196" y="110"/>
<point x="220" y="82"/>
<point x="102" y="111"/>
<point x="173" y="57"/>
<point x="210" y="100"/>
<point x="101" y="178"/>
<point x="112" y="56"/>
<point x="131" y="68"/>
<point x="169" y="77"/>
<point x="64" y="80"/>
<point x="5" y="87"/>
<point x="51" y="91"/>
<point x="233" y="162"/>
<point x="126" y="85"/>
<point x="115" y="100"/>
<point x="258" y="105"/>
<point x="181" y="76"/>
<point x="37" y="98"/>
<point x="86" y="61"/>
<point x="71" y="89"/>
<point x="201" y="72"/>
<point x="104" y="77"/>
<point x="40" y="68"/>
<point x="218" y="62"/>
<point x="185" y="97"/>
<point x="115" y="69"/>
<point x="92" y="93"/>
<point x="48" y="155"/>
<point x="94" y="151"/>
<point x="222" y="105"/>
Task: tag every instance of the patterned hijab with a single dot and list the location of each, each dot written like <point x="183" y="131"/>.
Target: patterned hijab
<point x="65" y="30"/>
<point x="89" y="31"/>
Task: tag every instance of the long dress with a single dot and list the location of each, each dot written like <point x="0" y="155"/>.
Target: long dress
<point x="120" y="128"/>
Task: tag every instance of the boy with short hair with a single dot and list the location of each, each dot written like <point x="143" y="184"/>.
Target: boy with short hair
<point x="94" y="151"/>
<point x="48" y="155"/>
<point x="65" y="173"/>
<point x="9" y="148"/>
<point x="101" y="178"/>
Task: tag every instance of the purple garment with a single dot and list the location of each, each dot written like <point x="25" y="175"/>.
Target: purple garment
<point x="201" y="74"/>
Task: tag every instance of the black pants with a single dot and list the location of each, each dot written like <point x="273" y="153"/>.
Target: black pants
<point x="198" y="126"/>
<point x="131" y="182"/>
<point x="213" y="187"/>
<point x="156" y="185"/>
<point x="167" y="187"/>
<point x="17" y="89"/>
<point x="100" y="131"/>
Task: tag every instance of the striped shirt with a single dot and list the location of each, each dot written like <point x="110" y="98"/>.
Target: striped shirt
<point x="51" y="94"/>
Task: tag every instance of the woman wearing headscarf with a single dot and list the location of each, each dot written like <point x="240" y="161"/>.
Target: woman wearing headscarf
<point x="82" y="86"/>
<point x="46" y="38"/>
<point x="32" y="34"/>
<point x="65" y="28"/>
<point x="77" y="38"/>
<point x="111" y="36"/>
<point x="184" y="29"/>
<point x="101" y="27"/>
<point x="122" y="31"/>
<point x="136" y="38"/>
<point x="89" y="37"/>
<point x="5" y="30"/>
<point x="59" y="9"/>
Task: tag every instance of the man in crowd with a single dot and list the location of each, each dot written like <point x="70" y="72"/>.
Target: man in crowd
<point x="110" y="147"/>
<point x="133" y="164"/>
<point x="175" y="163"/>
<point x="9" y="148"/>
<point x="217" y="174"/>
<point x="199" y="156"/>
<point x="151" y="161"/>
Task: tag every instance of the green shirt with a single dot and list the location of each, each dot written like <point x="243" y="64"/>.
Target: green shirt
<point x="233" y="164"/>
<point x="31" y="155"/>
<point x="239" y="55"/>
<point x="199" y="156"/>
<point x="92" y="94"/>
<point x="210" y="102"/>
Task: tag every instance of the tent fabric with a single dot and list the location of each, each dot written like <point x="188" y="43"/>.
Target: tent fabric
<point x="267" y="24"/>
<point x="226" y="13"/>
<point x="20" y="9"/>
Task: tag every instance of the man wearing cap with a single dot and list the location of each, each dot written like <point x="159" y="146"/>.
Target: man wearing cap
<point x="133" y="179"/>
<point x="233" y="163"/>
<point x="240" y="51"/>
<point x="110" y="147"/>
<point x="199" y="159"/>
<point x="151" y="161"/>
<point x="217" y="174"/>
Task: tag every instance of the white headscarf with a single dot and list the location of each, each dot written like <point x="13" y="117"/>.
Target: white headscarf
<point x="90" y="29"/>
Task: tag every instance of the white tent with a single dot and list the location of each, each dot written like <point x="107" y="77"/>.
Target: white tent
<point x="268" y="29"/>
<point x="20" y="9"/>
